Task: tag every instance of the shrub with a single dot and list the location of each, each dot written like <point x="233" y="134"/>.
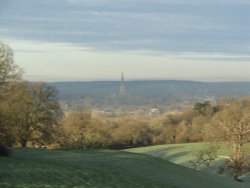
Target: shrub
<point x="4" y="151"/>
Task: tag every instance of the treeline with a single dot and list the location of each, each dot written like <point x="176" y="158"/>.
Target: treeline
<point x="80" y="130"/>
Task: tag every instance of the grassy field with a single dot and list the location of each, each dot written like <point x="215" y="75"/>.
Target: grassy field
<point x="100" y="168"/>
<point x="182" y="154"/>
<point x="176" y="153"/>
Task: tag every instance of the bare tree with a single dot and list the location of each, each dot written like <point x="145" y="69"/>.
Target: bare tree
<point x="9" y="71"/>
<point x="206" y="156"/>
<point x="232" y="125"/>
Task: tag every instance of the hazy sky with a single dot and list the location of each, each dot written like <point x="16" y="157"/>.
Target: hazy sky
<point x="57" y="40"/>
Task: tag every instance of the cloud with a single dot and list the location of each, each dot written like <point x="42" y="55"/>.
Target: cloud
<point x="64" y="61"/>
<point x="169" y="2"/>
<point x="155" y="25"/>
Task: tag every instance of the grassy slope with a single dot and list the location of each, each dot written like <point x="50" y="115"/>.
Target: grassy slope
<point x="177" y="153"/>
<point x="99" y="168"/>
<point x="182" y="154"/>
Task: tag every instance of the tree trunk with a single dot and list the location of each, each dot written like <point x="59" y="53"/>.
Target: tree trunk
<point x="23" y="143"/>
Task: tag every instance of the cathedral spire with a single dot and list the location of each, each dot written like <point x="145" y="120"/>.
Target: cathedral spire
<point x="122" y="85"/>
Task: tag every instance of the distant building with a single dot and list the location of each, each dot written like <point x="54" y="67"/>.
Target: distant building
<point x="154" y="112"/>
<point x="122" y="86"/>
<point x="109" y="112"/>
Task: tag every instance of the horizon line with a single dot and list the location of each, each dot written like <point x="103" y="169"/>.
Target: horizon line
<point x="131" y="80"/>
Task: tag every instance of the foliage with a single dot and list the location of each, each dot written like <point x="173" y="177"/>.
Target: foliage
<point x="184" y="127"/>
<point x="204" y="108"/>
<point x="74" y="128"/>
<point x="80" y="130"/>
<point x="9" y="72"/>
<point x="83" y="131"/>
<point x="32" y="111"/>
<point x="131" y="133"/>
<point x="233" y="126"/>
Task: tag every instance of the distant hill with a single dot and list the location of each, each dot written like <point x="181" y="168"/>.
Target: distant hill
<point x="162" y="91"/>
<point x="78" y="90"/>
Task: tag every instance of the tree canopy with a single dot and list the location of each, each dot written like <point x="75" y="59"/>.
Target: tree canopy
<point x="28" y="111"/>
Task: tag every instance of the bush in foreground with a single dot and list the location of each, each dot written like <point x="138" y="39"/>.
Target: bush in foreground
<point x="4" y="151"/>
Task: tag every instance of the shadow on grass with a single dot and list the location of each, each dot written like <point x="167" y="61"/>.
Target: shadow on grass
<point x="163" y="153"/>
<point x="164" y="149"/>
<point x="177" y="155"/>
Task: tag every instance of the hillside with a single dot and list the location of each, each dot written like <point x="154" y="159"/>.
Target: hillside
<point x="176" y="153"/>
<point x="100" y="168"/>
<point x="182" y="154"/>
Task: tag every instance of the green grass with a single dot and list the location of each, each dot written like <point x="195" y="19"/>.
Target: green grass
<point x="100" y="168"/>
<point x="182" y="154"/>
<point x="177" y="153"/>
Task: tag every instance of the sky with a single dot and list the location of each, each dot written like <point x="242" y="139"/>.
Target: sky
<point x="86" y="40"/>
